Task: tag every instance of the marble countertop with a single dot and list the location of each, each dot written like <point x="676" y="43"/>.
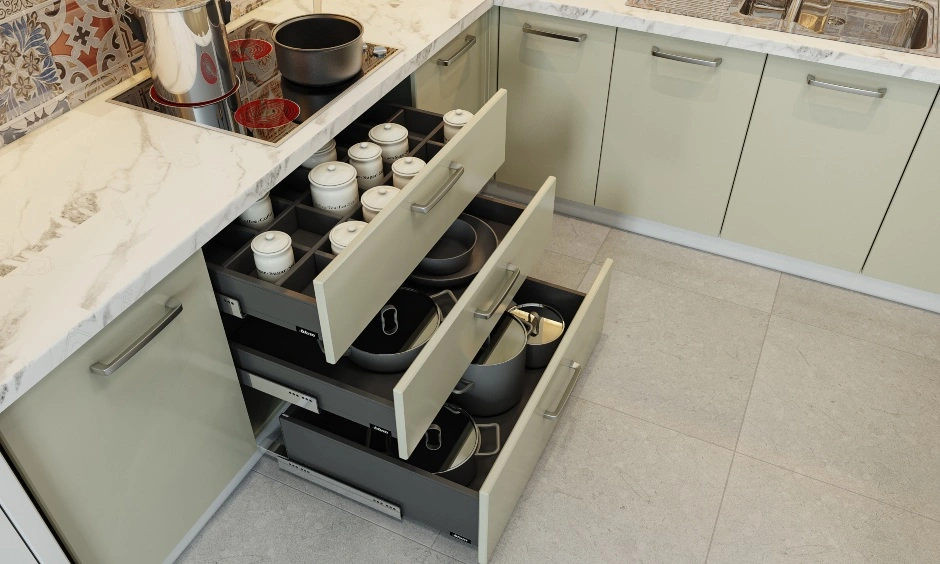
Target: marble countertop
<point x="103" y="202"/>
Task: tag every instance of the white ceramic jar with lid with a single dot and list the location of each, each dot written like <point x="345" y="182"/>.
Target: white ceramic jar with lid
<point x="333" y="186"/>
<point x="403" y="170"/>
<point x="375" y="199"/>
<point x="260" y="215"/>
<point x="344" y="233"/>
<point x="392" y="138"/>
<point x="454" y="121"/>
<point x="326" y="154"/>
<point x="273" y="255"/>
<point x="366" y="158"/>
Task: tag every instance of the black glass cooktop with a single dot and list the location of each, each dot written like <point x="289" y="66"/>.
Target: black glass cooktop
<point x="259" y="80"/>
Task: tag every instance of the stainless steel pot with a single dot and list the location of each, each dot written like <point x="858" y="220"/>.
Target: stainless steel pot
<point x="546" y="328"/>
<point x="186" y="49"/>
<point x="318" y="49"/>
<point x="393" y="339"/>
<point x="220" y="114"/>
<point x="451" y="445"/>
<point x="495" y="381"/>
<point x="452" y="252"/>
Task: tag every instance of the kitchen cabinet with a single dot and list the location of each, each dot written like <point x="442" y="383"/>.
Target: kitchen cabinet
<point x="462" y="74"/>
<point x="907" y="249"/>
<point x="29" y="526"/>
<point x="676" y="119"/>
<point x="127" y="443"/>
<point x="557" y="72"/>
<point x="824" y="153"/>
<point x="12" y="547"/>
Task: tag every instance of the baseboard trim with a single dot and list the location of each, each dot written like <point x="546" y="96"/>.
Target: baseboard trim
<point x="849" y="280"/>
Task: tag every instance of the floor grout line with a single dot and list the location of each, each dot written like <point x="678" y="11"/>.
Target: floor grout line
<point x="721" y="504"/>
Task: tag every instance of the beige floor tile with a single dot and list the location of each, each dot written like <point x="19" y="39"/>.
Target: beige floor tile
<point x="561" y="269"/>
<point x="576" y="238"/>
<point x="847" y="412"/>
<point x="705" y="273"/>
<point x="676" y="358"/>
<point x="772" y="515"/>
<point x="850" y="313"/>
<point x="613" y="489"/>
<point x="589" y="278"/>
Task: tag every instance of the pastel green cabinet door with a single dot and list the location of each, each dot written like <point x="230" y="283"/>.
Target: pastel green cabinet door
<point x="557" y="101"/>
<point x="675" y="129"/>
<point x="820" y="165"/>
<point x="463" y="82"/>
<point x="907" y="250"/>
<point x="124" y="465"/>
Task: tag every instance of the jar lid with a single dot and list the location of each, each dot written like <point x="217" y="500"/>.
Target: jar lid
<point x="457" y="118"/>
<point x="377" y="197"/>
<point x="408" y="166"/>
<point x="546" y="322"/>
<point x="364" y="151"/>
<point x="388" y="133"/>
<point x="344" y="233"/>
<point x="332" y="174"/>
<point x="270" y="243"/>
<point x="330" y="145"/>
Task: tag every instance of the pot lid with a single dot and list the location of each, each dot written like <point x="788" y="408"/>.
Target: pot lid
<point x="364" y="151"/>
<point x="457" y="118"/>
<point x="388" y="133"/>
<point x="506" y="342"/>
<point x="344" y="233"/>
<point x="467" y="442"/>
<point x="270" y="243"/>
<point x="547" y="324"/>
<point x="330" y="145"/>
<point x="377" y="197"/>
<point x="165" y="5"/>
<point x="332" y="174"/>
<point x="408" y="166"/>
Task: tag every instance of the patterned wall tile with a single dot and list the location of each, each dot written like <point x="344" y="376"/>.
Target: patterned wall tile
<point x="27" y="71"/>
<point x="16" y="7"/>
<point x="20" y="126"/>
<point x="84" y="40"/>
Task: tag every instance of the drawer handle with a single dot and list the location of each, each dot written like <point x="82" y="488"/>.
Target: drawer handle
<point x="470" y="42"/>
<point x="567" y="395"/>
<point x="489" y="313"/>
<point x="526" y="28"/>
<point x="879" y="93"/>
<point x="172" y="310"/>
<point x="656" y="52"/>
<point x="456" y="171"/>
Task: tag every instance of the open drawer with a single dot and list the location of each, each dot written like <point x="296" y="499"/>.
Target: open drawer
<point x="334" y="298"/>
<point x="288" y="364"/>
<point x="478" y="512"/>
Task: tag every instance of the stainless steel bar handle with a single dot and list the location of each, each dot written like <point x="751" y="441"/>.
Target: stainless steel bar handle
<point x="489" y="313"/>
<point x="879" y="93"/>
<point x="576" y="366"/>
<point x="470" y="42"/>
<point x="526" y="28"/>
<point x="173" y="309"/>
<point x="657" y="52"/>
<point x="456" y="171"/>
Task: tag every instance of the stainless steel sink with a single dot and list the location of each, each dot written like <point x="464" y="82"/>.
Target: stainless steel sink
<point x="907" y="24"/>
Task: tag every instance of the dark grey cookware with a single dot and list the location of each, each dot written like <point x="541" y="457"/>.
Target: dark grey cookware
<point x="452" y="252"/>
<point x="395" y="336"/>
<point x="487" y="241"/>
<point x="318" y="49"/>
<point x="546" y="327"/>
<point x="495" y="380"/>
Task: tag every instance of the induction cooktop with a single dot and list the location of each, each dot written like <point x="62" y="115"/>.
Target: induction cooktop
<point x="261" y="90"/>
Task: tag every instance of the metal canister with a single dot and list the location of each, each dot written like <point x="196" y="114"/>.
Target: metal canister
<point x="186" y="49"/>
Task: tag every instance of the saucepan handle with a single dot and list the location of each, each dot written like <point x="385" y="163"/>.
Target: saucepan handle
<point x="462" y="387"/>
<point x="495" y="427"/>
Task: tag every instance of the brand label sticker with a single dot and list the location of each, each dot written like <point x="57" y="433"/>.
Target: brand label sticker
<point x="460" y="537"/>
<point x="379" y="429"/>
<point x="307" y="332"/>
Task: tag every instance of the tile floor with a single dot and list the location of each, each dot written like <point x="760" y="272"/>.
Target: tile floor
<point x="729" y="414"/>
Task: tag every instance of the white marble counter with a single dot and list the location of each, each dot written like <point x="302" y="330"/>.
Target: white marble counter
<point x="103" y="202"/>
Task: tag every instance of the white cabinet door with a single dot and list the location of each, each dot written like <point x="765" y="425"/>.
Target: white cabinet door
<point x="124" y="465"/>
<point x="676" y="121"/>
<point x="824" y="153"/>
<point x="557" y="72"/>
<point x="12" y="548"/>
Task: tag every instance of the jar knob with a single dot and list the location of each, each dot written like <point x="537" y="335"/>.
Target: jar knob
<point x="352" y="228"/>
<point x="269" y="237"/>
<point x="363" y="145"/>
<point x="383" y="190"/>
<point x="331" y="167"/>
<point x="388" y="126"/>
<point x="458" y="112"/>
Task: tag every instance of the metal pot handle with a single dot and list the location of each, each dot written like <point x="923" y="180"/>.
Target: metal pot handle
<point x="435" y="443"/>
<point x="389" y="328"/>
<point x="480" y="427"/>
<point x="535" y="323"/>
<point x="467" y="384"/>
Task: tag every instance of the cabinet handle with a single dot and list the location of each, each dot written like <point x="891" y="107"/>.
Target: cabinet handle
<point x="172" y="310"/>
<point x="487" y="314"/>
<point x="456" y="171"/>
<point x="470" y="42"/>
<point x="656" y="52"/>
<point x="567" y="395"/>
<point x="879" y="93"/>
<point x="526" y="28"/>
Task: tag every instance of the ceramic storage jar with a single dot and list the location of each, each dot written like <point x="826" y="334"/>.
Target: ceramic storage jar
<point x="326" y="154"/>
<point x="366" y="158"/>
<point x="392" y="138"/>
<point x="454" y="120"/>
<point x="403" y="170"/>
<point x="333" y="186"/>
<point x="375" y="199"/>
<point x="260" y="215"/>
<point x="344" y="233"/>
<point x="273" y="255"/>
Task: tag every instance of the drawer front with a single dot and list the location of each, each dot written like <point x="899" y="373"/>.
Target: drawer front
<point x="354" y="286"/>
<point x="431" y="378"/>
<point x="506" y="481"/>
<point x="819" y="165"/>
